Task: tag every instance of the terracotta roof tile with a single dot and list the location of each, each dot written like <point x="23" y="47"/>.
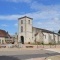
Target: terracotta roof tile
<point x="3" y="33"/>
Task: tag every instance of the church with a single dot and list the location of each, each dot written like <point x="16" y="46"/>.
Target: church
<point x="29" y="34"/>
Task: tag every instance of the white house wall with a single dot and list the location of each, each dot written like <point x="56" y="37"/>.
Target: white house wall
<point x="39" y="36"/>
<point x="2" y="38"/>
<point x="46" y="39"/>
<point x="56" y="38"/>
<point x="33" y="35"/>
<point x="59" y="39"/>
<point x="51" y="38"/>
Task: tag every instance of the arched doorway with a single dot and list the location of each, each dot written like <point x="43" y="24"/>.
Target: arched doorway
<point x="22" y="39"/>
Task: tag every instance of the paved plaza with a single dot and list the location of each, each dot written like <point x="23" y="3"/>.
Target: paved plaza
<point x="26" y="54"/>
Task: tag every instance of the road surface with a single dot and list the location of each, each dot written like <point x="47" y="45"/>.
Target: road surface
<point x="25" y="54"/>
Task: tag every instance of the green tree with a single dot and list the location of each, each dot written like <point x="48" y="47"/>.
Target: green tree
<point x="59" y="31"/>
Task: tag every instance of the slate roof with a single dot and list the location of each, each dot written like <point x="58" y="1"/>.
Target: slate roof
<point x="47" y="31"/>
<point x="25" y="17"/>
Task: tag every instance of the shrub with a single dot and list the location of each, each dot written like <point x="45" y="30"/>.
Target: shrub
<point x="28" y="42"/>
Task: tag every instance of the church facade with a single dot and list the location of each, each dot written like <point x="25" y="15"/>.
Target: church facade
<point x="29" y="34"/>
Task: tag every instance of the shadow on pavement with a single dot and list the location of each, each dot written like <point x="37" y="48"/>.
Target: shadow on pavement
<point x="8" y="58"/>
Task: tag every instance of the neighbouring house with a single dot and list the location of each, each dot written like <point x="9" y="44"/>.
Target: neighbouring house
<point x="5" y="38"/>
<point x="29" y="34"/>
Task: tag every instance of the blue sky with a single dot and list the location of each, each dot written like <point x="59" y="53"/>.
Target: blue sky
<point x="45" y="14"/>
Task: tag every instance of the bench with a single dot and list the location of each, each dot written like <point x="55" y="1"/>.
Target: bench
<point x="29" y="46"/>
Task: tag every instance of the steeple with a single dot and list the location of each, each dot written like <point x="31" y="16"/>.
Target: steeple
<point x="25" y="29"/>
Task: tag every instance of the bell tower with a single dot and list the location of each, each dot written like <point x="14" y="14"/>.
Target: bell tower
<point x="25" y="29"/>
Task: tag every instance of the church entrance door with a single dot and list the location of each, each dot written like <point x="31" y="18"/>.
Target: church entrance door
<point x="22" y="39"/>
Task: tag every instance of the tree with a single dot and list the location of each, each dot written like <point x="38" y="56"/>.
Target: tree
<point x="59" y="31"/>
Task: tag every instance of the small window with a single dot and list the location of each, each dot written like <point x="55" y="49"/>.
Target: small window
<point x="21" y="21"/>
<point x="45" y="36"/>
<point x="21" y="28"/>
<point x="29" y="22"/>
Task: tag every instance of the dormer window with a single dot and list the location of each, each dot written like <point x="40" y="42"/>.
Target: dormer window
<point x="21" y="21"/>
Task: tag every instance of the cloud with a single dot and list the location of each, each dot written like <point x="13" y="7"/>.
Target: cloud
<point x="53" y="25"/>
<point x="9" y="17"/>
<point x="16" y="24"/>
<point x="46" y="16"/>
<point x="46" y="19"/>
<point x="49" y="15"/>
<point x="4" y="25"/>
<point x="42" y="7"/>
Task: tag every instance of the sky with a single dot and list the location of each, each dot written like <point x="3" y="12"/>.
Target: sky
<point x="45" y="14"/>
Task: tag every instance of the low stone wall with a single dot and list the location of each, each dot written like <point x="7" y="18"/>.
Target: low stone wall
<point x="28" y="46"/>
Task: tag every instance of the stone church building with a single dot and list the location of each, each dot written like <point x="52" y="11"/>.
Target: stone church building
<point x="29" y="34"/>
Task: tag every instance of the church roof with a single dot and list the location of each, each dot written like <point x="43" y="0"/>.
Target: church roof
<point x="25" y="17"/>
<point x="47" y="31"/>
<point x="3" y="33"/>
